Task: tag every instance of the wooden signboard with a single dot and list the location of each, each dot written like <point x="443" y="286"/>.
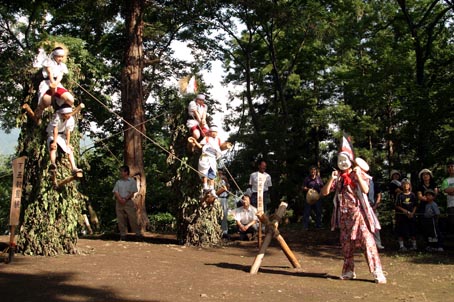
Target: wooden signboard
<point x="16" y="195"/>
<point x="261" y="178"/>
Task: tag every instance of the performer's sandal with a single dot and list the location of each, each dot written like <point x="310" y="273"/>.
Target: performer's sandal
<point x="379" y="278"/>
<point x="348" y="276"/>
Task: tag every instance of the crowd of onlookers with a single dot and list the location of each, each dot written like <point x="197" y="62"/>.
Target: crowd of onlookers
<point x="417" y="212"/>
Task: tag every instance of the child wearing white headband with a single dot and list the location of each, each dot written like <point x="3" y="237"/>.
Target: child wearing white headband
<point x="51" y="88"/>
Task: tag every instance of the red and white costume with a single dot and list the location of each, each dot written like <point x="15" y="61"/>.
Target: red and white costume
<point x="202" y="110"/>
<point x="357" y="222"/>
<point x="58" y="70"/>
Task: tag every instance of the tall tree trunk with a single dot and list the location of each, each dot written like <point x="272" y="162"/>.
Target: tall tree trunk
<point x="132" y="101"/>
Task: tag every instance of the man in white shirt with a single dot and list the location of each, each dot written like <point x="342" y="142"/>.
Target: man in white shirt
<point x="125" y="208"/>
<point x="246" y="219"/>
<point x="253" y="184"/>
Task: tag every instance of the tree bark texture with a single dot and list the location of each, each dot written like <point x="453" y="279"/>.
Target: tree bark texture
<point x="132" y="102"/>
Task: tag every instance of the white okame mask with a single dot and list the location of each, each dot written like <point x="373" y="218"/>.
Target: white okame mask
<point x="343" y="162"/>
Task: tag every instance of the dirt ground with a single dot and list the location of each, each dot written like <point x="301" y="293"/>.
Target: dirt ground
<point x="158" y="269"/>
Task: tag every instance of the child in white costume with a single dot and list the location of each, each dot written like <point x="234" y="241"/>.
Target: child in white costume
<point x="59" y="134"/>
<point x="51" y="88"/>
<point x="197" y="110"/>
<point x="211" y="152"/>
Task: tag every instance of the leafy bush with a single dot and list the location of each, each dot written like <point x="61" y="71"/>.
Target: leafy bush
<point x="162" y="223"/>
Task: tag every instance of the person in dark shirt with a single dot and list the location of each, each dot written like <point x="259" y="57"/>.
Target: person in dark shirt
<point x="312" y="183"/>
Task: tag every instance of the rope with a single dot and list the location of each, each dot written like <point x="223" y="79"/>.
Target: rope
<point x="101" y="140"/>
<point x="154" y="142"/>
<point x="135" y="128"/>
<point x="105" y="146"/>
<point x="236" y="184"/>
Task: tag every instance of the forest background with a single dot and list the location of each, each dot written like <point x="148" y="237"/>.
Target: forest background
<point x="303" y="72"/>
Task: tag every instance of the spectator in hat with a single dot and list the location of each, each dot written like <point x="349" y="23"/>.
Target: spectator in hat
<point x="394" y="185"/>
<point x="406" y="205"/>
<point x="430" y="223"/>
<point x="312" y="185"/>
<point x="197" y="122"/>
<point x="447" y="187"/>
<point x="426" y="182"/>
<point x="59" y="136"/>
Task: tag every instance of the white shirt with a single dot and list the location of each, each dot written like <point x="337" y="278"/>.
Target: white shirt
<point x="124" y="187"/>
<point x="211" y="147"/>
<point x="57" y="69"/>
<point x="245" y="216"/>
<point x="193" y="106"/>
<point x="61" y="124"/>
<point x="253" y="180"/>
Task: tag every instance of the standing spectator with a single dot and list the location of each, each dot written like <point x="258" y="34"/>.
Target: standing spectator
<point x="394" y="186"/>
<point x="253" y="181"/>
<point x="447" y="187"/>
<point x="197" y="123"/>
<point x="353" y="215"/>
<point x="312" y="183"/>
<point x="124" y="191"/>
<point x="222" y="192"/>
<point x="426" y="182"/>
<point x="246" y="219"/>
<point x="430" y="222"/>
<point x="406" y="205"/>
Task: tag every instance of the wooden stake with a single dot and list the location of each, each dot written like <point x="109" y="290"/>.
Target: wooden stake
<point x="68" y="179"/>
<point x="12" y="234"/>
<point x="77" y="109"/>
<point x="272" y="231"/>
<point x="288" y="252"/>
<point x="31" y="113"/>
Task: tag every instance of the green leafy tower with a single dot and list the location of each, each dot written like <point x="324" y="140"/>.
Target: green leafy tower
<point x="50" y="216"/>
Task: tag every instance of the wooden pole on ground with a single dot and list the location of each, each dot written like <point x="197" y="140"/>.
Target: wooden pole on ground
<point x="272" y="231"/>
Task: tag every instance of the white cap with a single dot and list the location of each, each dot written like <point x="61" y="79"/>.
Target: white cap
<point x="200" y="97"/>
<point x="214" y="129"/>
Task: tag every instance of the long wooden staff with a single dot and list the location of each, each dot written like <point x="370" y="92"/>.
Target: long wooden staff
<point x="77" y="109"/>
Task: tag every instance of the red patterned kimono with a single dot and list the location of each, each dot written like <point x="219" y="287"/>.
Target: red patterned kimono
<point x="357" y="222"/>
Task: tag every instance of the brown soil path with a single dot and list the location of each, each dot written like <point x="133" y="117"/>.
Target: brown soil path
<point x="160" y="270"/>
